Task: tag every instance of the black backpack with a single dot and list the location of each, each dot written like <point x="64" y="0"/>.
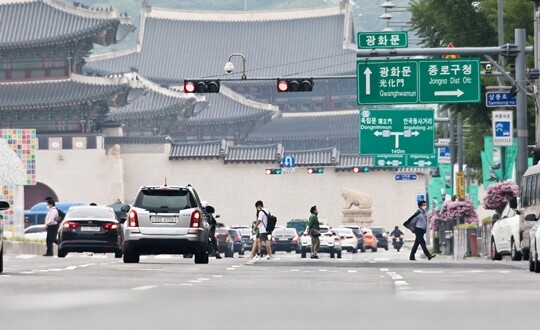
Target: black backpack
<point x="61" y="215"/>
<point x="272" y="220"/>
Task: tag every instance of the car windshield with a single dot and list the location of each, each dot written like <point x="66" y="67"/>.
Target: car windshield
<point x="234" y="233"/>
<point x="343" y="231"/>
<point x="245" y="232"/>
<point x="91" y="212"/>
<point x="377" y="231"/>
<point x="284" y="231"/>
<point x="35" y="229"/>
<point x="164" y="200"/>
<point x="355" y="230"/>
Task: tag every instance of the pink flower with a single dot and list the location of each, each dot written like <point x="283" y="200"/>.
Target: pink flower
<point x="498" y="194"/>
<point x="459" y="210"/>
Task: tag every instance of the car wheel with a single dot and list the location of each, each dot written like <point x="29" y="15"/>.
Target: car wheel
<point x="516" y="255"/>
<point x="303" y="253"/>
<point x="332" y="256"/>
<point x="386" y="248"/>
<point x="339" y="255"/>
<point x="62" y="253"/>
<point x="531" y="264"/>
<point x="374" y="249"/>
<point x="118" y="254"/>
<point x="525" y="253"/>
<point x="355" y="250"/>
<point x="241" y="252"/>
<point x="494" y="254"/>
<point x="536" y="262"/>
<point x="2" y="260"/>
<point x="201" y="254"/>
<point x="229" y="253"/>
<point x="363" y="249"/>
<point x="129" y="256"/>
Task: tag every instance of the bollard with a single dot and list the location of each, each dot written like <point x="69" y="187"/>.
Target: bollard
<point x="474" y="246"/>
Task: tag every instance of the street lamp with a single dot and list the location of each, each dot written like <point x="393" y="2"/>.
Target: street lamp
<point x="229" y="66"/>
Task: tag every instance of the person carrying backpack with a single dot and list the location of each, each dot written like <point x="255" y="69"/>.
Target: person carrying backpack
<point x="262" y="225"/>
<point x="51" y="223"/>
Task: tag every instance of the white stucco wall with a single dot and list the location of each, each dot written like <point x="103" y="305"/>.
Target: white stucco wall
<point x="93" y="176"/>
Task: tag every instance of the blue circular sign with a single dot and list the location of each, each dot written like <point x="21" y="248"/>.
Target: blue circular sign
<point x="288" y="161"/>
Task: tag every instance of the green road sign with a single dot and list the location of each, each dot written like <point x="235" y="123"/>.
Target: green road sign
<point x="405" y="161"/>
<point x="418" y="81"/>
<point x="394" y="39"/>
<point x="450" y="81"/>
<point x="396" y="132"/>
<point x="387" y="82"/>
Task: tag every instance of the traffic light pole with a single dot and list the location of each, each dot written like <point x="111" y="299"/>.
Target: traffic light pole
<point x="517" y="50"/>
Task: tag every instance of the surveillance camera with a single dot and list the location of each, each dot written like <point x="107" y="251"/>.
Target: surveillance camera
<point x="229" y="67"/>
<point x="488" y="67"/>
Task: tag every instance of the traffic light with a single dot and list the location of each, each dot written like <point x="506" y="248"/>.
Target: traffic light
<point x="364" y="169"/>
<point x="315" y="170"/>
<point x="270" y="171"/>
<point x="294" y="85"/>
<point x="201" y="86"/>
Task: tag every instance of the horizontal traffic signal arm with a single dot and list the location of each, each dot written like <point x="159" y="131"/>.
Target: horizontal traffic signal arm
<point x="284" y="85"/>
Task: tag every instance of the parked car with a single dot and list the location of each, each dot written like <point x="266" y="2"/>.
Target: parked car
<point x="238" y="244"/>
<point x="36" y="232"/>
<point x="284" y="239"/>
<point x="349" y="241"/>
<point x="329" y="243"/>
<point x="90" y="229"/>
<point x="534" y="237"/>
<point x="381" y="235"/>
<point x="359" y="235"/>
<point x="505" y="234"/>
<point x="247" y="236"/>
<point x="3" y="206"/>
<point x="166" y="220"/>
<point x="370" y="241"/>
<point x="225" y="242"/>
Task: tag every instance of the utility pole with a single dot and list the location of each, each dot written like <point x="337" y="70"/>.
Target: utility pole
<point x="521" y="101"/>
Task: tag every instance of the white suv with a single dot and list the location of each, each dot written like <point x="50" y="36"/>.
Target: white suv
<point x="3" y="206"/>
<point x="329" y="243"/>
<point x="166" y="220"/>
<point x="505" y="235"/>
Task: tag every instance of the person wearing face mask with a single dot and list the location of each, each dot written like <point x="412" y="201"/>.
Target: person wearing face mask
<point x="418" y="222"/>
<point x="313" y="231"/>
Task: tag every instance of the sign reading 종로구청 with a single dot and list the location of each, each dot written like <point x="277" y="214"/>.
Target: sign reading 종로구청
<point x="393" y="39"/>
<point x="396" y="132"/>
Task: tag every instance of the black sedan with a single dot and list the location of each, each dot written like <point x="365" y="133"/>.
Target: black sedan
<point x="284" y="239"/>
<point x="90" y="229"/>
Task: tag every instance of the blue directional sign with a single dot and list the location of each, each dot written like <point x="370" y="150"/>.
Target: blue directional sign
<point x="502" y="129"/>
<point x="500" y="99"/>
<point x="420" y="197"/>
<point x="288" y="161"/>
<point x="405" y="176"/>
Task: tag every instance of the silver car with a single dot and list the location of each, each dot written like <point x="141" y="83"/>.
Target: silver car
<point x="3" y="206"/>
<point x="166" y="220"/>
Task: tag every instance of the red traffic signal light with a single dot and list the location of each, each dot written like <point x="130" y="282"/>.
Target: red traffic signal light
<point x="315" y="170"/>
<point x="364" y="169"/>
<point x="201" y="86"/>
<point x="294" y="85"/>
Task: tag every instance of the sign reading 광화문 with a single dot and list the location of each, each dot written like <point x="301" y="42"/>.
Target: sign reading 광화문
<point x="393" y="39"/>
<point x="396" y="132"/>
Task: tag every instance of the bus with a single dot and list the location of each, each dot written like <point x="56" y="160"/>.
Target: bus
<point x="37" y="213"/>
<point x="529" y="192"/>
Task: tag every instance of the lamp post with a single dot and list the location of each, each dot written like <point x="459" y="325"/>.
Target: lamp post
<point x="229" y="66"/>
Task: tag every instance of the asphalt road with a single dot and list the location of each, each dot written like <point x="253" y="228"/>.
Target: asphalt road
<point x="380" y="290"/>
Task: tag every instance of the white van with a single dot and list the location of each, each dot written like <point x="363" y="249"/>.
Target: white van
<point x="529" y="192"/>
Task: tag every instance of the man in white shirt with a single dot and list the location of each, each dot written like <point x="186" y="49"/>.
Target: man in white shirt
<point x="52" y="226"/>
<point x="262" y="222"/>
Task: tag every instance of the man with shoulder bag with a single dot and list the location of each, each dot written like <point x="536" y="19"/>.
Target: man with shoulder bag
<point x="51" y="223"/>
<point x="314" y="231"/>
<point x="417" y="223"/>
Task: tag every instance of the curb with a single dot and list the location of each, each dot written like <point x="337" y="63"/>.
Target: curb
<point x="15" y="247"/>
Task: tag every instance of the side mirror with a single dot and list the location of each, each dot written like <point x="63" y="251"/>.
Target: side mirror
<point x="4" y="205"/>
<point x="513" y="203"/>
<point x="495" y="217"/>
<point x="217" y="216"/>
<point x="531" y="217"/>
<point x="122" y="220"/>
<point x="209" y="209"/>
<point x="125" y="208"/>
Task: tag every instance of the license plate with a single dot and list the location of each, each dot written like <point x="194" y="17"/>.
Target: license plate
<point x="88" y="228"/>
<point x="158" y="219"/>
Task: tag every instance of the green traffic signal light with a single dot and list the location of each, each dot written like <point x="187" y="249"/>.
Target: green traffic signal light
<point x="315" y="170"/>
<point x="270" y="171"/>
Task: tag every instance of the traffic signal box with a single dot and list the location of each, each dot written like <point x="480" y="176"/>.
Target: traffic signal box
<point x="315" y="170"/>
<point x="294" y="85"/>
<point x="364" y="169"/>
<point x="270" y="171"/>
<point x="201" y="86"/>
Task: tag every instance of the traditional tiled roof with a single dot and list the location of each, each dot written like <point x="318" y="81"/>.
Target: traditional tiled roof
<point x="306" y="126"/>
<point x="31" y="23"/>
<point x="265" y="153"/>
<point x="111" y="140"/>
<point x="354" y="160"/>
<point x="290" y="44"/>
<point x="63" y="92"/>
<point x="211" y="149"/>
<point x="228" y="106"/>
<point x="327" y="156"/>
<point x="151" y="100"/>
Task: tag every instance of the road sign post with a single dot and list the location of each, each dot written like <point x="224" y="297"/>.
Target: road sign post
<point x="396" y="132"/>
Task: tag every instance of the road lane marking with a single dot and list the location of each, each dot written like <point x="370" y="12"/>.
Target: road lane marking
<point x="203" y="279"/>
<point x="217" y="276"/>
<point x="146" y="287"/>
<point x="230" y="268"/>
<point x="70" y="268"/>
<point x="352" y="271"/>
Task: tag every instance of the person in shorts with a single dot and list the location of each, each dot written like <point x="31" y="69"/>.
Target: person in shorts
<point x="262" y="222"/>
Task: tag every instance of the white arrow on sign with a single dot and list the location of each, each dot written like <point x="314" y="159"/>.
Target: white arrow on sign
<point x="457" y="93"/>
<point x="367" y="73"/>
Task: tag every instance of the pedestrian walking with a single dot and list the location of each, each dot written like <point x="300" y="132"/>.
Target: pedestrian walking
<point x="261" y="224"/>
<point x="256" y="248"/>
<point x="314" y="231"/>
<point x="418" y="224"/>
<point x="52" y="226"/>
